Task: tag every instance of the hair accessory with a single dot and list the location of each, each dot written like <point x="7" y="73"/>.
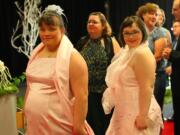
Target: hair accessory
<point x="54" y="8"/>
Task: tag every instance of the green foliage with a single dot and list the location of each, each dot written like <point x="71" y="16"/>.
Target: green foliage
<point x="20" y="102"/>
<point x="12" y="87"/>
<point x="9" y="89"/>
<point x="17" y="81"/>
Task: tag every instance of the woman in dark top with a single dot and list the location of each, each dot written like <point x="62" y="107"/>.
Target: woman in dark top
<point x="97" y="48"/>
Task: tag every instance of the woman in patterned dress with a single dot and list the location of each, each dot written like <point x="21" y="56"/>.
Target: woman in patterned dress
<point x="97" y="48"/>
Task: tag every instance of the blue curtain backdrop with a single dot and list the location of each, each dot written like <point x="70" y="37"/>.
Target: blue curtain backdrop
<point x="77" y="12"/>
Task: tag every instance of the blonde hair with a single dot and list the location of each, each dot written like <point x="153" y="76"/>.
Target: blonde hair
<point x="164" y="17"/>
<point x="107" y="28"/>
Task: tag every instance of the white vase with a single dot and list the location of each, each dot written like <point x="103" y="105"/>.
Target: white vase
<point x="8" y="115"/>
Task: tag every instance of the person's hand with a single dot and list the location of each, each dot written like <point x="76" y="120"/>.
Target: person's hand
<point x="166" y="52"/>
<point x="141" y="122"/>
<point x="80" y="131"/>
<point x="168" y="70"/>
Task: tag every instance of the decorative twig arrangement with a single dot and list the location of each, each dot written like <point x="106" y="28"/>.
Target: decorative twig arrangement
<point x="28" y="23"/>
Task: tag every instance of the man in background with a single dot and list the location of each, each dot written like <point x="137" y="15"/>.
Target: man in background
<point x="173" y="55"/>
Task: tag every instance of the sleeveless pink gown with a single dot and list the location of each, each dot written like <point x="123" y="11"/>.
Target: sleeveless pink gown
<point x="49" y="101"/>
<point x="122" y="93"/>
<point x="44" y="110"/>
<point x="43" y="107"/>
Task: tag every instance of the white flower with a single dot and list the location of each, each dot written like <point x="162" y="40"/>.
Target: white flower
<point x="55" y="8"/>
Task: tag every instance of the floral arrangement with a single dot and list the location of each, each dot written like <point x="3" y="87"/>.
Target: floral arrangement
<point x="6" y="86"/>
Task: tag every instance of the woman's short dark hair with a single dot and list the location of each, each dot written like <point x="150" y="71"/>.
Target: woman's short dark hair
<point x="51" y="18"/>
<point x="128" y="22"/>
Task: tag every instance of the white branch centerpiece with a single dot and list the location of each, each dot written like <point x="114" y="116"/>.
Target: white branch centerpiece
<point x="28" y="23"/>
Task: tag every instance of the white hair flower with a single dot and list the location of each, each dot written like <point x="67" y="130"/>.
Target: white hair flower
<point x="55" y="8"/>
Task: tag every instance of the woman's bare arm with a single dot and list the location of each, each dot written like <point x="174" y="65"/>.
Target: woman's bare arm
<point x="79" y="86"/>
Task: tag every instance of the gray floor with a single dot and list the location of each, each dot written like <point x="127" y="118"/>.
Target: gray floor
<point x="168" y="111"/>
<point x="168" y="107"/>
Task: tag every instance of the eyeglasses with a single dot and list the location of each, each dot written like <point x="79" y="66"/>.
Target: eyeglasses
<point x="131" y="34"/>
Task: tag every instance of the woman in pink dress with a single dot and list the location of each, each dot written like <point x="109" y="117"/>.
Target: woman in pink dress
<point x="57" y="82"/>
<point x="130" y="79"/>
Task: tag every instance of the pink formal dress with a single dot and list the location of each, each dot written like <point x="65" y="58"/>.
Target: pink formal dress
<point x="122" y="94"/>
<point x="42" y="108"/>
<point x="49" y="101"/>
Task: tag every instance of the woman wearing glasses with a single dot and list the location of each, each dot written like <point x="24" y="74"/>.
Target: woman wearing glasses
<point x="130" y="80"/>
